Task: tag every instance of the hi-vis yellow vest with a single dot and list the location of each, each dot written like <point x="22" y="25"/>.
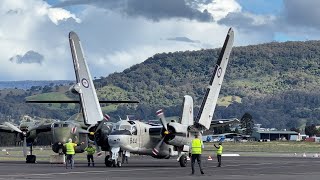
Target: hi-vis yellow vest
<point x="219" y="150"/>
<point x="196" y="146"/>
<point x="70" y="148"/>
<point x="90" y="150"/>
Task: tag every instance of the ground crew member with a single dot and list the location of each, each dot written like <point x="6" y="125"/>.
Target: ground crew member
<point x="90" y="151"/>
<point x="219" y="153"/>
<point x="196" y="151"/>
<point x="70" y="152"/>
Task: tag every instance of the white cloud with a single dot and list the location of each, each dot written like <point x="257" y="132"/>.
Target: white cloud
<point x="59" y="14"/>
<point x="31" y="25"/>
<point x="121" y="42"/>
<point x="220" y="8"/>
<point x="113" y="40"/>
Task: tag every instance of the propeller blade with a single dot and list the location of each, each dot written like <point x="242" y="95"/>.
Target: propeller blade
<point x="24" y="146"/>
<point x="98" y="150"/>
<point x="83" y="131"/>
<point x="100" y="124"/>
<point x="163" y="121"/>
<point x="13" y="127"/>
<point x="155" y="150"/>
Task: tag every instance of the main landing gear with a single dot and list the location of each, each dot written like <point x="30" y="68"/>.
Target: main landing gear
<point x="183" y="161"/>
<point x="111" y="163"/>
<point x="31" y="158"/>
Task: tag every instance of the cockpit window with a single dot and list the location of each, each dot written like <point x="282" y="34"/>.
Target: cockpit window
<point x="120" y="132"/>
<point x="56" y="125"/>
<point x="134" y="130"/>
<point x="125" y="127"/>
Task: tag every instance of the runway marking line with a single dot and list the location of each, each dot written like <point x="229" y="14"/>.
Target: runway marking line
<point x="113" y="170"/>
<point x="121" y="170"/>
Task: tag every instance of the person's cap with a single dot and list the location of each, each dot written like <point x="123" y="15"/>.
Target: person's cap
<point x="220" y="143"/>
<point x="70" y="140"/>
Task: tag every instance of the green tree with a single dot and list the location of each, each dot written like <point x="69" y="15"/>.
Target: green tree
<point x="311" y="130"/>
<point x="295" y="129"/>
<point x="247" y="123"/>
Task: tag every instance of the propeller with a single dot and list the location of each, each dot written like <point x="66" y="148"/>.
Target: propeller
<point x="15" y="128"/>
<point x="163" y="121"/>
<point x="97" y="129"/>
<point x="24" y="144"/>
<point x="83" y="131"/>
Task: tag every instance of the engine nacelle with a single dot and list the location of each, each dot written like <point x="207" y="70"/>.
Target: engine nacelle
<point x="76" y="89"/>
<point x="178" y="141"/>
<point x="177" y="134"/>
<point x="101" y="136"/>
<point x="177" y="128"/>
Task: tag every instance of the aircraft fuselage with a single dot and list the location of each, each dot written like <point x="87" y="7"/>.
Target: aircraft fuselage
<point x="140" y="138"/>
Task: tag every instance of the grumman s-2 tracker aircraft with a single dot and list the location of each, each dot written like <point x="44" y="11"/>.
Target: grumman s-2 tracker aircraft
<point x="61" y="131"/>
<point x="89" y="121"/>
<point x="97" y="124"/>
<point x="171" y="138"/>
<point x="28" y="130"/>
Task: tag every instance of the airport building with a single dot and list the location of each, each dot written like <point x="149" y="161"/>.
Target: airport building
<point x="275" y="135"/>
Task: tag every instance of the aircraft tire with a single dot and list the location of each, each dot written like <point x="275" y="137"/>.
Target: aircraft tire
<point x="107" y="162"/>
<point x="119" y="164"/>
<point x="31" y="159"/>
<point x="183" y="161"/>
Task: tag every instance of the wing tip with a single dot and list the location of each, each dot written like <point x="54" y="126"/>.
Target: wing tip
<point x="73" y="35"/>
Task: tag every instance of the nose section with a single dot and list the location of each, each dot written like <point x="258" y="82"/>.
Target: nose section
<point x="121" y="141"/>
<point x="117" y="140"/>
<point x="61" y="134"/>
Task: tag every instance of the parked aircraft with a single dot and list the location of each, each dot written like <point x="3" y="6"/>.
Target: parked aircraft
<point x="89" y="121"/>
<point x="171" y="138"/>
<point x="223" y="122"/>
<point x="98" y="126"/>
<point x="28" y="130"/>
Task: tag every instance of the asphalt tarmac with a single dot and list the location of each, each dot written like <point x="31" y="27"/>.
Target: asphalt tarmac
<point x="143" y="167"/>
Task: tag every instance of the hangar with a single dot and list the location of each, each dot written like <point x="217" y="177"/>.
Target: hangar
<point x="273" y="135"/>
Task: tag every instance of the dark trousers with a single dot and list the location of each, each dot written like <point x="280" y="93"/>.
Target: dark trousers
<point x="219" y="160"/>
<point x="195" y="157"/>
<point x="90" y="157"/>
<point x="70" y="161"/>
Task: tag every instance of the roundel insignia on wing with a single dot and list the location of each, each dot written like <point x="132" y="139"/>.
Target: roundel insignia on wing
<point x="219" y="72"/>
<point x="85" y="83"/>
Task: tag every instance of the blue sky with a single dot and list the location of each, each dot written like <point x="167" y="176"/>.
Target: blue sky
<point x="262" y="6"/>
<point x="117" y="34"/>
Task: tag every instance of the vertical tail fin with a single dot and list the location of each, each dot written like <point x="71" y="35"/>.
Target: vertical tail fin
<point x="187" y="111"/>
<point x="210" y="100"/>
<point x="84" y="87"/>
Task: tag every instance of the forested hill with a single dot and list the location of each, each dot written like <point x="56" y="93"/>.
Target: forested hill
<point x="278" y="83"/>
<point x="28" y="84"/>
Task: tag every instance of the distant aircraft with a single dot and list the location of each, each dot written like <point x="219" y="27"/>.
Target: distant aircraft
<point x="223" y="122"/>
<point x="28" y="131"/>
<point x="171" y="138"/>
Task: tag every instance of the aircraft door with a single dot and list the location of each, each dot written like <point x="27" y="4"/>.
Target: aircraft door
<point x="139" y="134"/>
